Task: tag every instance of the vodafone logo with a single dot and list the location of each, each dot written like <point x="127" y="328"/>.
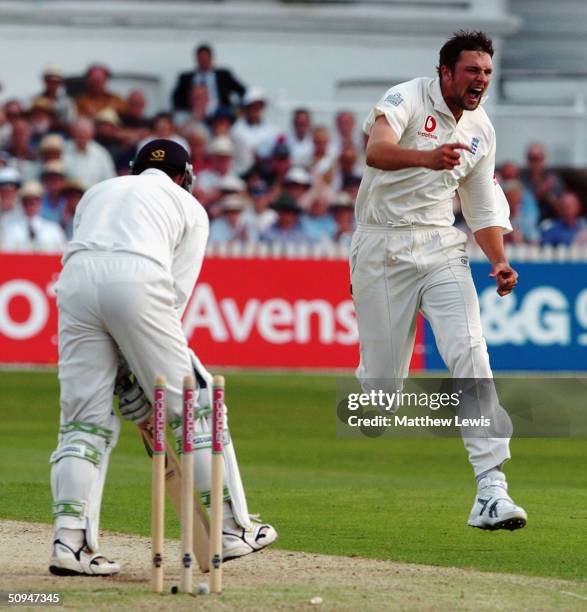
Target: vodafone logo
<point x="275" y="320"/>
<point x="429" y="127"/>
<point x="430" y="124"/>
<point x="36" y="310"/>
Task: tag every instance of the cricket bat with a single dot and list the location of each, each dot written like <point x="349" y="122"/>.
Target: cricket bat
<point x="201" y="535"/>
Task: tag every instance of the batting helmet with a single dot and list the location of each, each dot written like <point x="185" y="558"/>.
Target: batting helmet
<point x="168" y="156"/>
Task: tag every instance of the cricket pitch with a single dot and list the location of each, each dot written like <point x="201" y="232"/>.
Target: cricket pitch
<point x="274" y="580"/>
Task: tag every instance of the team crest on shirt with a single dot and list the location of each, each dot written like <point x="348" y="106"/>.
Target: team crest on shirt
<point x="474" y="145"/>
<point x="394" y="99"/>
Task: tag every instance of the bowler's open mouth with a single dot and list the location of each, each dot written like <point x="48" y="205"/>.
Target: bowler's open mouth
<point x="474" y="94"/>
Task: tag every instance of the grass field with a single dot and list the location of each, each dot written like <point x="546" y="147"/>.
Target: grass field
<point x="395" y="499"/>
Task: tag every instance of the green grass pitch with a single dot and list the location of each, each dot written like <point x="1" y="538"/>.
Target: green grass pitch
<point x="398" y="499"/>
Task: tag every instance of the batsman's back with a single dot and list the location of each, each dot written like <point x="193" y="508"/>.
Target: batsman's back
<point x="147" y="215"/>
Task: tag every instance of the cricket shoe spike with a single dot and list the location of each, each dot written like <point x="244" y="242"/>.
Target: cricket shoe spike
<point x="238" y="542"/>
<point x="67" y="562"/>
<point x="493" y="508"/>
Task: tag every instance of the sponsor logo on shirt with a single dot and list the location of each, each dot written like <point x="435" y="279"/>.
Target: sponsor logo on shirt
<point x="394" y="99"/>
<point x="474" y="145"/>
<point x="429" y="128"/>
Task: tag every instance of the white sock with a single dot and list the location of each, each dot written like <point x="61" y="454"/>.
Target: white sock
<point x="74" y="538"/>
<point x="492" y="471"/>
<point x="228" y="517"/>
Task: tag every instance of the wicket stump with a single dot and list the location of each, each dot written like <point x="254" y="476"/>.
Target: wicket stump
<point x="158" y="486"/>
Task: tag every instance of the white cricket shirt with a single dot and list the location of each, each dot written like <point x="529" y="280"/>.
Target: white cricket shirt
<point x="147" y="215"/>
<point x="421" y="119"/>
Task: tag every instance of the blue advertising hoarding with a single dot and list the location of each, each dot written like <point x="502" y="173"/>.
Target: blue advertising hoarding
<point x="542" y="325"/>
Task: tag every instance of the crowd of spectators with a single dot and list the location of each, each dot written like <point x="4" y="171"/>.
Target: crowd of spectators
<point x="543" y="211"/>
<point x="258" y="183"/>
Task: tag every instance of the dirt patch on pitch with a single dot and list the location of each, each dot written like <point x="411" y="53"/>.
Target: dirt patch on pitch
<point x="275" y="580"/>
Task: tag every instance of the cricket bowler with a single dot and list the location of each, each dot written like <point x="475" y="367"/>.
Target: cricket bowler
<point x="136" y="253"/>
<point x="429" y="139"/>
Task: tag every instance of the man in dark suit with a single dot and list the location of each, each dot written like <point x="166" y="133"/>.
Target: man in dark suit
<point x="223" y="87"/>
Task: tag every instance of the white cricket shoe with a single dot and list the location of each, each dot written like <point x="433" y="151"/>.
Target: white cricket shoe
<point x="238" y="542"/>
<point x="494" y="508"/>
<point x="67" y="562"/>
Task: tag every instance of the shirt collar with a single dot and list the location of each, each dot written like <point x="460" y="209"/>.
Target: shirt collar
<point x="155" y="172"/>
<point x="437" y="98"/>
<point x="438" y="101"/>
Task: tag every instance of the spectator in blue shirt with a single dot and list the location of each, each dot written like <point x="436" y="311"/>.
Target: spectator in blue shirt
<point x="545" y="184"/>
<point x="564" y="230"/>
<point x="529" y="209"/>
<point x="343" y="212"/>
<point x="53" y="180"/>
<point x="318" y="223"/>
<point x="228" y="226"/>
<point x="287" y="228"/>
<point x="524" y="223"/>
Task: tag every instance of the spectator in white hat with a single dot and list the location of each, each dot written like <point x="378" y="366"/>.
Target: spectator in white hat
<point x="297" y="182"/>
<point x="228" y="227"/>
<point x="258" y="217"/>
<point x="50" y="150"/>
<point x="29" y="232"/>
<point x="41" y="119"/>
<point x="54" y="90"/>
<point x="111" y="136"/>
<point x="71" y="193"/>
<point x="10" y="182"/>
<point x="53" y="181"/>
<point x="251" y="129"/>
<point x="228" y="185"/>
<point x="220" y="152"/>
<point x="343" y="213"/>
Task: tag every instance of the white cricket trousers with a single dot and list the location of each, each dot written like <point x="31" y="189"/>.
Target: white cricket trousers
<point x="398" y="271"/>
<point x="110" y="300"/>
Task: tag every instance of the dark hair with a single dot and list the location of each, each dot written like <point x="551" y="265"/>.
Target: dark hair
<point x="161" y="115"/>
<point x="204" y="47"/>
<point x="102" y="67"/>
<point x="463" y="40"/>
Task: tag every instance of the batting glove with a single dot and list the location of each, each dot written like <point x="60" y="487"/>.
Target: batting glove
<point x="133" y="403"/>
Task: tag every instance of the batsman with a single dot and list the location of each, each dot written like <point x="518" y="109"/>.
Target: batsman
<point x="429" y="140"/>
<point x="136" y="253"/>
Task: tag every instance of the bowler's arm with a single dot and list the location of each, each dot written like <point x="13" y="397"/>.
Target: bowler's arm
<point x="384" y="153"/>
<point x="490" y="239"/>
